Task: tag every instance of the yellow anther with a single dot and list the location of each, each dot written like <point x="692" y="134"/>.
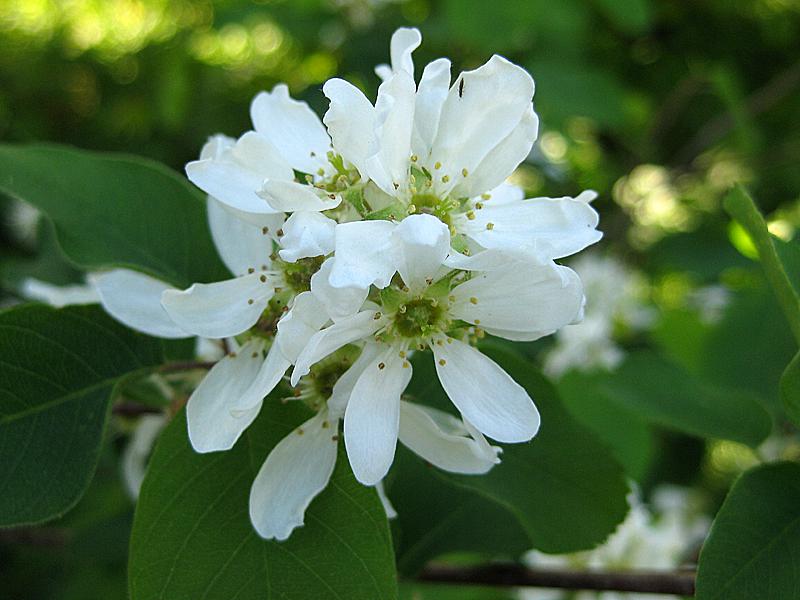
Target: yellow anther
<point x="254" y="355"/>
<point x="264" y="230"/>
<point x="471" y="215"/>
<point x="473" y="300"/>
<point x="414" y="158"/>
<point x="325" y="424"/>
<point x="279" y="232"/>
<point x="263" y="279"/>
<point x="464" y="172"/>
<point x="320" y="171"/>
<point x="477" y="321"/>
<point x="445" y="178"/>
<point x="479" y="205"/>
<point x="250" y="300"/>
<point x="442" y="362"/>
<point x="406" y="364"/>
<point x="412" y="209"/>
<point x="377" y="315"/>
<point x="490" y="226"/>
<point x="402" y="354"/>
<point x="486" y="195"/>
<point x="438" y="165"/>
<point x="381" y="366"/>
<point x="299" y="431"/>
<point x="332" y="196"/>
<point x="451" y="298"/>
<point x="251" y="270"/>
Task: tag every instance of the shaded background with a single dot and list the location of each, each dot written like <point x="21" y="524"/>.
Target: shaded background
<point x="660" y="106"/>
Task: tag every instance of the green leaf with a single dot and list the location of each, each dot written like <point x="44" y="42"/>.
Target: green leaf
<point x="114" y="210"/>
<point x="630" y="16"/>
<point x="664" y="393"/>
<point x="754" y="544"/>
<point x="564" y="487"/>
<point x="627" y="434"/>
<point x="435" y="517"/>
<point x="790" y="389"/>
<point x="58" y="369"/>
<point x="741" y="207"/>
<point x="192" y="537"/>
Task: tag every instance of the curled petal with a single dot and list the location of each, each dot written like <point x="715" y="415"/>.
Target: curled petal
<point x="242" y="243"/>
<point x="222" y="309"/>
<point x="293" y="128"/>
<point x="444" y="441"/>
<point x="307" y="234"/>
<point x="212" y="426"/>
<point x="298" y="468"/>
<point x="134" y="299"/>
<point x="290" y="196"/>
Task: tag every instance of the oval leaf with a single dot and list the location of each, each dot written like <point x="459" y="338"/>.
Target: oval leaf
<point x="192" y="536"/>
<point x="58" y="369"/>
<point x="564" y="487"/>
<point x="666" y="394"/>
<point x="114" y="210"/>
<point x="754" y="542"/>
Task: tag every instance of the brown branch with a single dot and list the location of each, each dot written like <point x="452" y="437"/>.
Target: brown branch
<point x="35" y="536"/>
<point x="133" y="409"/>
<point x="680" y="583"/>
<point x="186" y="366"/>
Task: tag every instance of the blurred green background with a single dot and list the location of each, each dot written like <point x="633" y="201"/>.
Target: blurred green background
<point x="660" y="106"/>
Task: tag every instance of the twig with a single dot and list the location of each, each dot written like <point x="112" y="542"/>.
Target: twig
<point x="186" y="366"/>
<point x="680" y="583"/>
<point x="132" y="409"/>
<point x="35" y="536"/>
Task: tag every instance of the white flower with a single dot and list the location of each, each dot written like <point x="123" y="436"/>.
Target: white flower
<point x="512" y="299"/>
<point x="616" y="299"/>
<point x="300" y="466"/>
<point x="446" y="150"/>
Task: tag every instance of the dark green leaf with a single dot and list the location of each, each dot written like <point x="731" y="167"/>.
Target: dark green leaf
<point x="626" y="433"/>
<point x="192" y="537"/>
<point x="666" y="394"/>
<point x="58" y="369"/>
<point x="112" y="210"/>
<point x="435" y="517"/>
<point x="754" y="544"/>
<point x="630" y="16"/>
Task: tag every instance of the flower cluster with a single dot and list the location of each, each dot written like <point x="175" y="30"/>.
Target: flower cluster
<point x="383" y="230"/>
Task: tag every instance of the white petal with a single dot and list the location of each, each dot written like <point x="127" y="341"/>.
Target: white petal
<point x="547" y="228"/>
<point x="391" y="513"/>
<point x="482" y="108"/>
<point x="298" y="468"/>
<point x="306" y="234"/>
<point x="242" y="244"/>
<point x="306" y="317"/>
<point x="431" y="94"/>
<point x="269" y="375"/>
<point x="345" y="331"/>
<point x="238" y="172"/>
<point x="134" y="458"/>
<point x="389" y="159"/>
<point x="134" y="299"/>
<point x="372" y="416"/>
<point x="484" y="393"/>
<point x="212" y="427"/>
<point x="343" y="388"/>
<point x="383" y="71"/>
<point x="339" y="302"/>
<point x="350" y="121"/>
<point x="404" y="41"/>
<point x="290" y="196"/>
<point x="365" y="254"/>
<point x="293" y="128"/>
<point x="501" y="160"/>
<point x="58" y="296"/>
<point x="423" y="243"/>
<point x="446" y="448"/>
<point x="534" y="299"/>
<point x="484" y="260"/>
<point x="222" y="309"/>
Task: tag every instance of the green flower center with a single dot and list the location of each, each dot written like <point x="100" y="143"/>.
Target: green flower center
<point x="418" y="318"/>
<point x="297" y="275"/>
